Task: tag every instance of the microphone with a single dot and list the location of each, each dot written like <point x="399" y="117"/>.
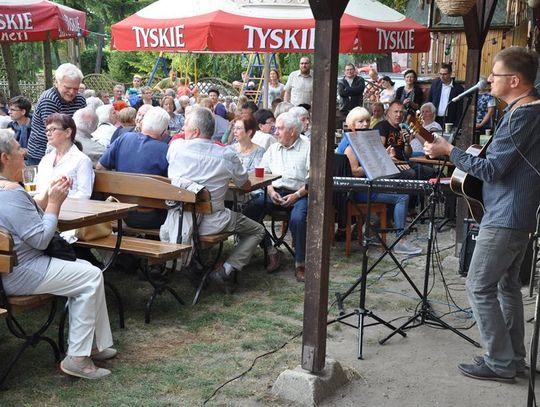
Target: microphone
<point x="481" y="84"/>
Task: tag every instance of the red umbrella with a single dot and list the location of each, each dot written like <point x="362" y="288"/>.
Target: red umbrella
<point x="39" y="20"/>
<point x="228" y="26"/>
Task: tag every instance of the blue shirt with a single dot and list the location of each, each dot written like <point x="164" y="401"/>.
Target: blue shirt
<point x="135" y="152"/>
<point x="510" y="170"/>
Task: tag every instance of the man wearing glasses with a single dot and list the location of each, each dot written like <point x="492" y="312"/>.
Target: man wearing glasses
<point x="441" y="92"/>
<point x="63" y="97"/>
<point x="510" y="171"/>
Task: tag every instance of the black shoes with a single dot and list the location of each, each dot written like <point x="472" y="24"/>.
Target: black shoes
<point x="483" y="372"/>
<point x="223" y="281"/>
<point x="520" y="371"/>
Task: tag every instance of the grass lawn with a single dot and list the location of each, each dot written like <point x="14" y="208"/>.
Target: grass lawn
<point x="187" y="352"/>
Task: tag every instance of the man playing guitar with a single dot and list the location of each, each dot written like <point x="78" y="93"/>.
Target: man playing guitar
<point x="510" y="174"/>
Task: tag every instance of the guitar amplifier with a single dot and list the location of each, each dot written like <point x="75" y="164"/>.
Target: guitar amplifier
<point x="470" y="229"/>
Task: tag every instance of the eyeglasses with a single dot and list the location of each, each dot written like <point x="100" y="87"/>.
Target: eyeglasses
<point x="502" y="74"/>
<point x="53" y="129"/>
<point x="236" y="128"/>
<point x="13" y="109"/>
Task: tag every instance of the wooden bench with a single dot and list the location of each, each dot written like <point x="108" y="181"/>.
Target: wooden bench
<point x="155" y="192"/>
<point x="14" y="305"/>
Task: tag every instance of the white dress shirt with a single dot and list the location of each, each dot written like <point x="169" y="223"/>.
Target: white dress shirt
<point x="103" y="134"/>
<point x="209" y="164"/>
<point x="75" y="164"/>
<point x="292" y="163"/>
<point x="445" y="96"/>
<point x="262" y="139"/>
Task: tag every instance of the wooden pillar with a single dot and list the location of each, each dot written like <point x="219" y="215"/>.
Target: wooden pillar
<point x="327" y="14"/>
<point x="476" y="24"/>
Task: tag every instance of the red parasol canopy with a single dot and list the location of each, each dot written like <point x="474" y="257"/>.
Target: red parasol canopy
<point x="35" y="20"/>
<point x="228" y="26"/>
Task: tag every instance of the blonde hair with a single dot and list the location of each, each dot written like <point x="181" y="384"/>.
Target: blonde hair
<point x="358" y="113"/>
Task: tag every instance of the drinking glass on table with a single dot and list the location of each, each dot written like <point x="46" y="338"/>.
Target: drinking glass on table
<point x="29" y="178"/>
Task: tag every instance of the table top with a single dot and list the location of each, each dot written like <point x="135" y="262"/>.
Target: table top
<point x="257" y="182"/>
<point x="76" y="213"/>
<point x="429" y="161"/>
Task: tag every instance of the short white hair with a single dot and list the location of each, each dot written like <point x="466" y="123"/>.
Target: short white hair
<point x="104" y="113"/>
<point x="430" y="106"/>
<point x="299" y="111"/>
<point x="290" y="121"/>
<point x="283" y="107"/>
<point x="94" y="102"/>
<point x="86" y="120"/>
<point x="68" y="71"/>
<point x="155" y="121"/>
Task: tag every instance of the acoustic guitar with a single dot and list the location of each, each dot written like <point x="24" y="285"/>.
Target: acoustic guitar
<point x="417" y="129"/>
<point x="470" y="187"/>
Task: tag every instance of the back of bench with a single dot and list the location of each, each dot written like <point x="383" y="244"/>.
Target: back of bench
<point x="8" y="258"/>
<point x="148" y="191"/>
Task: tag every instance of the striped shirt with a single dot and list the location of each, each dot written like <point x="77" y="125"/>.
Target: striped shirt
<point x="511" y="189"/>
<point x="49" y="102"/>
<point x="292" y="163"/>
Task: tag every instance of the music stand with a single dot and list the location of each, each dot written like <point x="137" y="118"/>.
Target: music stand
<point x="425" y="313"/>
<point x="376" y="164"/>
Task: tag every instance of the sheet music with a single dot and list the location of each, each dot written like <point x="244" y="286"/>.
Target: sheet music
<point x="372" y="155"/>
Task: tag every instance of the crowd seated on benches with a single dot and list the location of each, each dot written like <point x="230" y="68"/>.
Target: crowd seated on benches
<point x="32" y="224"/>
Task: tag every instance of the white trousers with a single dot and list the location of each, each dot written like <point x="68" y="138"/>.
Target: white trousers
<point x="82" y="284"/>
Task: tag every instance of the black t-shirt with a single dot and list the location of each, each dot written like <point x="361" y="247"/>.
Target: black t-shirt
<point x="393" y="138"/>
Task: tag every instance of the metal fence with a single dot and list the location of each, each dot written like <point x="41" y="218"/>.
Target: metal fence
<point x="30" y="90"/>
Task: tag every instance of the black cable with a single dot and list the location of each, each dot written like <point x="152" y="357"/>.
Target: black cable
<point x="252" y="365"/>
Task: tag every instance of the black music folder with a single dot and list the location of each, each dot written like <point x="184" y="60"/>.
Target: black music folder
<point x="372" y="155"/>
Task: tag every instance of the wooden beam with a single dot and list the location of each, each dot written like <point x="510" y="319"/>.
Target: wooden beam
<point x="320" y="212"/>
<point x="476" y="24"/>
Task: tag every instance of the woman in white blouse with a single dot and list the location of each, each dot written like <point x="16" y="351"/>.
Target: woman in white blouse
<point x="388" y="94"/>
<point x="65" y="158"/>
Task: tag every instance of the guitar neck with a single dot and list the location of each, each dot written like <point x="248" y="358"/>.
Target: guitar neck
<point x="418" y="129"/>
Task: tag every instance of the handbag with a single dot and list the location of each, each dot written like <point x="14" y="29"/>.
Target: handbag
<point x="60" y="249"/>
<point x="93" y="232"/>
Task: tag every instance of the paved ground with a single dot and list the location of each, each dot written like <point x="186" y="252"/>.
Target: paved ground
<point x="419" y="370"/>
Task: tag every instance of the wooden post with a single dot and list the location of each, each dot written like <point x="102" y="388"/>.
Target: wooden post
<point x="327" y="14"/>
<point x="476" y="24"/>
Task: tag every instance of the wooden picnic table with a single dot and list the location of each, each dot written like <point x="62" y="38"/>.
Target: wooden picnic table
<point x="76" y="213"/>
<point x="430" y="161"/>
<point x="257" y="182"/>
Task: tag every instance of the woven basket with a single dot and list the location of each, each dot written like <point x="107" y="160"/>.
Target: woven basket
<point x="455" y="8"/>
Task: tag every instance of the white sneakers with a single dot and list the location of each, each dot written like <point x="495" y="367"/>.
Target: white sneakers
<point x="406" y="247"/>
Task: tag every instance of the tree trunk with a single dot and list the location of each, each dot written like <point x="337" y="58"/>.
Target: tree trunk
<point x="384" y="64"/>
<point x="47" y="64"/>
<point x="99" y="54"/>
<point x="11" y="72"/>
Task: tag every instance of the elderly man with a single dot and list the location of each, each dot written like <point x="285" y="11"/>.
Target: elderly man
<point x="19" y="111"/>
<point x="299" y="86"/>
<point x="350" y="89"/>
<point x="86" y="121"/>
<point x="508" y="175"/>
<point x="289" y="157"/>
<point x="64" y="97"/>
<point x="106" y="117"/>
<point x="199" y="160"/>
<point x="143" y="153"/>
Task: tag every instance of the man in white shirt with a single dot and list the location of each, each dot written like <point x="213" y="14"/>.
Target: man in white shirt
<point x="86" y="121"/>
<point x="200" y="160"/>
<point x="441" y="92"/>
<point x="289" y="157"/>
<point x="299" y="86"/>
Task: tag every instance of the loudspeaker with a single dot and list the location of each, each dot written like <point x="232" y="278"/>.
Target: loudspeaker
<point x="470" y="228"/>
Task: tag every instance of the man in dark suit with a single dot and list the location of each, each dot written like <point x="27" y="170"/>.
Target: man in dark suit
<point x="442" y="91"/>
<point x="350" y="89"/>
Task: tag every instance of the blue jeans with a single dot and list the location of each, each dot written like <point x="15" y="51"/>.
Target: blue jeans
<point x="400" y="202"/>
<point x="31" y="161"/>
<point x="258" y="209"/>
<point x="494" y="292"/>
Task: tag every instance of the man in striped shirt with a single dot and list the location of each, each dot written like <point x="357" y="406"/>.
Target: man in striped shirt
<point x="510" y="172"/>
<point x="64" y="98"/>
